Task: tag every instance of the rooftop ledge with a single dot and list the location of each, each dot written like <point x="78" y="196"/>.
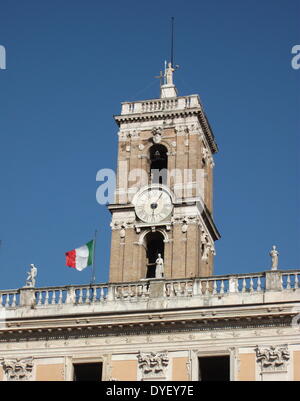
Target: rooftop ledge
<point x="153" y="294"/>
<point x="153" y="108"/>
<point x="165" y="104"/>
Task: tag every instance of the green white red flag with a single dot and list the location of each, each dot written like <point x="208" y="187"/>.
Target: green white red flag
<point x="81" y="257"/>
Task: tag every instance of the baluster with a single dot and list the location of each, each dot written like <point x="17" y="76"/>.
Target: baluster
<point x="80" y="296"/>
<point x="288" y="282"/>
<point x="143" y="290"/>
<point x="60" y="297"/>
<point x="88" y="293"/>
<point x="296" y="281"/>
<point x="117" y="292"/>
<point x="215" y="290"/>
<point x="244" y="284"/>
<point x="40" y="297"/>
<point x="207" y="288"/>
<point x="85" y="298"/>
<point x="251" y="284"/>
<point x="195" y="288"/>
<point x="7" y="301"/>
<point x="14" y="300"/>
<point x="222" y="287"/>
<point x="258" y="284"/>
<point x="183" y="290"/>
<point x="92" y="296"/>
<point x="101" y="294"/>
<point x="94" y="299"/>
<point x="1" y="300"/>
<point x="198" y="288"/>
<point x="53" y="300"/>
<point x="47" y="298"/>
<point x="172" y="290"/>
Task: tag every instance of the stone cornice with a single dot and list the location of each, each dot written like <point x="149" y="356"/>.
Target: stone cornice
<point x="160" y="115"/>
<point x="156" y="321"/>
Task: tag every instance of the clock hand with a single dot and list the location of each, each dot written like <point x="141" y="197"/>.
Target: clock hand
<point x="159" y="197"/>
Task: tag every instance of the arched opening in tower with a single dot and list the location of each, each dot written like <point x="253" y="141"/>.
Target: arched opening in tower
<point x="158" y="164"/>
<point x="154" y="246"/>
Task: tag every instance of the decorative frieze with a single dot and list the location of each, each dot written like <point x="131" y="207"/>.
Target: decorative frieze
<point x="121" y="225"/>
<point x="273" y="359"/>
<point x="17" y="369"/>
<point x="153" y="365"/>
<point x="126" y="134"/>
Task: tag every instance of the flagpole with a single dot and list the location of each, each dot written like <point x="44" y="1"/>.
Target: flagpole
<point x="93" y="278"/>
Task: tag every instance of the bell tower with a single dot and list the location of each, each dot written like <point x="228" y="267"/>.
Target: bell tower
<point x="162" y="222"/>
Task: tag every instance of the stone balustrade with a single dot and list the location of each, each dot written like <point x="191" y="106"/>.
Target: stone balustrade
<point x="156" y="105"/>
<point x="198" y="289"/>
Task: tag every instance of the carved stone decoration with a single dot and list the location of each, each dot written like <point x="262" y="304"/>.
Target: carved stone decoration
<point x="123" y="231"/>
<point x="207" y="157"/>
<point x="153" y="365"/>
<point x="31" y="276"/>
<point x="274" y="257"/>
<point x="204" y="245"/>
<point x="157" y="133"/>
<point x="122" y="225"/>
<point x="18" y="369"/>
<point x="184" y="227"/>
<point x="205" y="154"/>
<point x="272" y="359"/>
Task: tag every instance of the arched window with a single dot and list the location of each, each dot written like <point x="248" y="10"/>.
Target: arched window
<point x="158" y="164"/>
<point x="154" y="243"/>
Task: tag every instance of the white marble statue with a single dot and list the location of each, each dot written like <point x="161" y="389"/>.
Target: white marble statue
<point x="169" y="74"/>
<point x="31" y="278"/>
<point x="274" y="256"/>
<point x="159" y="270"/>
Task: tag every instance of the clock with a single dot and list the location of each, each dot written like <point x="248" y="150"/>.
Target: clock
<point x="153" y="205"/>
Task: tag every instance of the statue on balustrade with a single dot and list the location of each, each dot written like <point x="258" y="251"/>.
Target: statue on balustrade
<point x="274" y="256"/>
<point x="31" y="278"/>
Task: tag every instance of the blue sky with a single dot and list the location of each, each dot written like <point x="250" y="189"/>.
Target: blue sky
<point x="71" y="63"/>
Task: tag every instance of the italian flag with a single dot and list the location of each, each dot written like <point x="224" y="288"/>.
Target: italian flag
<point x="82" y="257"/>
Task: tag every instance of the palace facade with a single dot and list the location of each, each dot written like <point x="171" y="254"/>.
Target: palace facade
<point x="163" y="315"/>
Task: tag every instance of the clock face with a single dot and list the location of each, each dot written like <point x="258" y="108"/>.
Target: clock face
<point x="153" y="205"/>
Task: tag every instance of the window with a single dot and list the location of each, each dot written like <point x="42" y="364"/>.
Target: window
<point x="214" y="368"/>
<point x="158" y="164"/>
<point x="154" y="246"/>
<point x="91" y="372"/>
